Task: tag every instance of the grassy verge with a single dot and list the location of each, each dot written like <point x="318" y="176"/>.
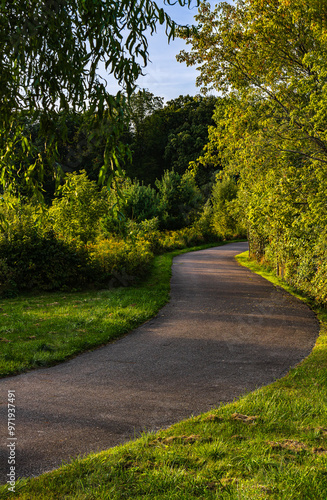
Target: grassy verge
<point x="270" y="444"/>
<point x="42" y="330"/>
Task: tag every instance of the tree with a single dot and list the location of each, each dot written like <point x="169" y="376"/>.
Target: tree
<point x="49" y="56"/>
<point x="268" y="52"/>
<point x="75" y="152"/>
<point x="269" y="58"/>
<point x="180" y="199"/>
<point x="171" y="137"/>
<point x="143" y="122"/>
<point x="142" y="104"/>
<point x="224" y="220"/>
<point x="189" y="133"/>
<point x="138" y="203"/>
<point x="77" y="213"/>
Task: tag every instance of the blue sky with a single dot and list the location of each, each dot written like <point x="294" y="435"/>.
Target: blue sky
<point x="164" y="76"/>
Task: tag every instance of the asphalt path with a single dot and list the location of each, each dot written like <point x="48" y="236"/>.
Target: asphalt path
<point x="225" y="332"/>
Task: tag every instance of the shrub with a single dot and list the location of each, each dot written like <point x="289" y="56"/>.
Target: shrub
<point x="225" y="221"/>
<point x="17" y="215"/>
<point x="130" y="202"/>
<point x="77" y="213"/>
<point x="298" y="254"/>
<point x="8" y="285"/>
<point x="120" y="262"/>
<point x="30" y="261"/>
<point x="147" y="230"/>
<point x="180" y="199"/>
<point x="140" y="202"/>
<point x="203" y="225"/>
<point x="32" y="256"/>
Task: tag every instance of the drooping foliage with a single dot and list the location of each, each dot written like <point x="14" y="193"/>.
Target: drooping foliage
<point x="50" y="53"/>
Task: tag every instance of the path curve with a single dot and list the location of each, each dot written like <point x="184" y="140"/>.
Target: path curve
<point x="225" y="332"/>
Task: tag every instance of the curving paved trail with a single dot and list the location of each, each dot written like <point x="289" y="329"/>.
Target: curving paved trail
<point x="225" y="332"/>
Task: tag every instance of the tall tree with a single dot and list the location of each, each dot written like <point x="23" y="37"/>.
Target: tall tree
<point x="142" y="104"/>
<point x="269" y="58"/>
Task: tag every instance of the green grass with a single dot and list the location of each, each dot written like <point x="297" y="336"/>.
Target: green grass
<point x="270" y="444"/>
<point x="266" y="272"/>
<point x="42" y="330"/>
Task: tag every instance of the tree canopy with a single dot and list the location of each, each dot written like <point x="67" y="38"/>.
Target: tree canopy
<point x="168" y="137"/>
<point x="49" y="57"/>
<point x="272" y="53"/>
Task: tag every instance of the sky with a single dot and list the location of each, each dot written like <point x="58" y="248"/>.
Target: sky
<point x="164" y="76"/>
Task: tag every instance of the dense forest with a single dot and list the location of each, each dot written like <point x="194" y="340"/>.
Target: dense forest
<point x="101" y="189"/>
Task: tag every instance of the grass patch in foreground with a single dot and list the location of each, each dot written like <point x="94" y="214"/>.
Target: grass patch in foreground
<point x="42" y="330"/>
<point x="271" y="444"/>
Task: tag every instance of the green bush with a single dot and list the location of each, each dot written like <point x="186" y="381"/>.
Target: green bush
<point x="80" y="251"/>
<point x="77" y="214"/>
<point x="17" y="215"/>
<point x="203" y="225"/>
<point x="225" y="219"/>
<point x="120" y="262"/>
<point x="146" y="230"/>
<point x="30" y="261"/>
<point x="297" y="253"/>
<point x="8" y="285"/>
<point x="140" y="202"/>
<point x="304" y="262"/>
<point x="180" y="200"/>
<point x="131" y="202"/>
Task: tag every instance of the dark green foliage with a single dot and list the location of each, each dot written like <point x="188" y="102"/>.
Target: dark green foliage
<point x="189" y="119"/>
<point x="140" y="202"/>
<point x="171" y="137"/>
<point x="147" y="150"/>
<point x="30" y="261"/>
<point x="180" y="199"/>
